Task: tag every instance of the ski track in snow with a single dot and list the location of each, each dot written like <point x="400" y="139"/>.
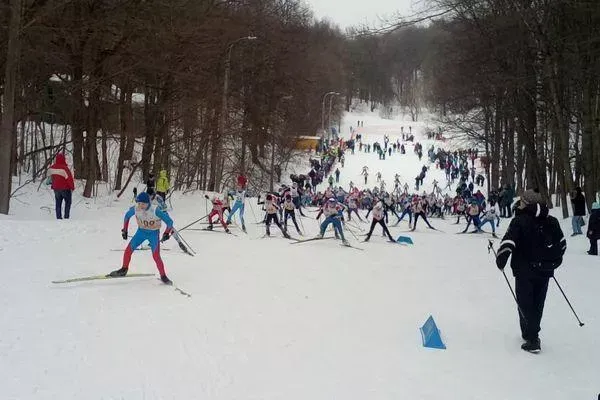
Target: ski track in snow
<point x="267" y="320"/>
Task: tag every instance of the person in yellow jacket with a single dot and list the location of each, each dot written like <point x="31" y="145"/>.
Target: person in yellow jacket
<point x="162" y="184"/>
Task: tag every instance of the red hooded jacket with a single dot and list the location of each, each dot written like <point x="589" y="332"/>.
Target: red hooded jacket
<point x="62" y="179"/>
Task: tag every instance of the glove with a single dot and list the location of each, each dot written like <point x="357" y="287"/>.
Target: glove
<point x="206" y="196"/>
<point x="501" y="261"/>
<point x="166" y="236"/>
<point x="124" y="234"/>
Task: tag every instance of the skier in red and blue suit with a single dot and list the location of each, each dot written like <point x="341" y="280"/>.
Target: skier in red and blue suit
<point x="149" y="220"/>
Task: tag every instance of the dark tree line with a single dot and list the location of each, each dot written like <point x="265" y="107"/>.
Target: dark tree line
<point x="521" y="78"/>
<point x="152" y="75"/>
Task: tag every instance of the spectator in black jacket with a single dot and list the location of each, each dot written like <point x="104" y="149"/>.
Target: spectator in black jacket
<point x="531" y="284"/>
<point x="593" y="231"/>
<point x="578" y="203"/>
<point x="150" y="183"/>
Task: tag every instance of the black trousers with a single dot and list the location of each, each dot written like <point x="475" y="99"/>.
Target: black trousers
<point x="531" y="295"/>
<point x="350" y="210"/>
<point x="273" y="218"/>
<point x="422" y="215"/>
<point x="594" y="246"/>
<point x="59" y="196"/>
<point x="385" y="229"/>
<point x="290" y="214"/>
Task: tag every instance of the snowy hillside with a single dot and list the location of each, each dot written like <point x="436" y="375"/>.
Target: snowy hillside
<point x="269" y="320"/>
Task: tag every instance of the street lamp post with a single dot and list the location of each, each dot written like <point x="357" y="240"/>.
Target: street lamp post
<point x="224" y="108"/>
<point x="323" y="109"/>
<point x="329" y="114"/>
<point x="288" y="97"/>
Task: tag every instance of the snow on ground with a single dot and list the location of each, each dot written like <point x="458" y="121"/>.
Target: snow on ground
<point x="270" y="320"/>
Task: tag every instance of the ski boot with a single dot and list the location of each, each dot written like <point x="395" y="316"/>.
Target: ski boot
<point x="244" y="228"/>
<point x="209" y="228"/>
<point x="319" y="236"/>
<point x="119" y="273"/>
<point x="345" y="242"/>
<point x="227" y="230"/>
<point x="286" y="235"/>
<point x="165" y="279"/>
<point x="532" y="346"/>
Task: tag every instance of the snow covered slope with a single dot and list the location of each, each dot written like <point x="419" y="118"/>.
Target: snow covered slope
<point x="270" y="320"/>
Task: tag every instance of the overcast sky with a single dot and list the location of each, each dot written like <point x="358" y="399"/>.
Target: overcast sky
<point x="346" y="13"/>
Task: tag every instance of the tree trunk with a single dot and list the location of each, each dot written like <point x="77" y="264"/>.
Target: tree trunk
<point x="150" y="122"/>
<point x="13" y="55"/>
<point x="122" y="137"/>
<point x="78" y="125"/>
<point x="214" y="151"/>
<point x="104" y="140"/>
<point x="90" y="142"/>
<point x="589" y="155"/>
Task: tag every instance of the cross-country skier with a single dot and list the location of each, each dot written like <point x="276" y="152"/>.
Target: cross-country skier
<point x="407" y="210"/>
<point x="473" y="212"/>
<point x="149" y="222"/>
<point x="272" y="208"/>
<point x="239" y="198"/>
<point x="332" y="210"/>
<point x="296" y="192"/>
<point x="289" y="212"/>
<point x="217" y="210"/>
<point x="353" y="207"/>
<point x="378" y="218"/>
<point x="492" y="217"/>
<point x="420" y="209"/>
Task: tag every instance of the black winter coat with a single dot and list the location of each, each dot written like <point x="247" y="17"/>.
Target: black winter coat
<point x="593" y="231"/>
<point x="518" y="243"/>
<point x="578" y="203"/>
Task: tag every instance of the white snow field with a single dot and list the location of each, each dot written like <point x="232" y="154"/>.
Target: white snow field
<point x="270" y="320"/>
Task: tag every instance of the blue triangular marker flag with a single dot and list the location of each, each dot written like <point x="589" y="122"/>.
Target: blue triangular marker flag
<point x="431" y="335"/>
<point x="404" y="239"/>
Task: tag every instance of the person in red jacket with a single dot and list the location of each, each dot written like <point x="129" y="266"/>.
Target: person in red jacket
<point x="62" y="184"/>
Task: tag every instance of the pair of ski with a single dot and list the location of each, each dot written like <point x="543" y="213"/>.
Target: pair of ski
<point x="105" y="277"/>
<point x="212" y="230"/>
<point x="288" y="238"/>
<point x="475" y="232"/>
<point x="325" y="238"/>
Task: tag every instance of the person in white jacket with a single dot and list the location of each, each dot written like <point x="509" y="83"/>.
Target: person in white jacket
<point x="378" y="218"/>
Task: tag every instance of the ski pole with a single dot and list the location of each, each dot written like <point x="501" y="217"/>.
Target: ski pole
<point x="196" y="221"/>
<point x="300" y="218"/>
<point x="350" y="230"/>
<point x="184" y="241"/>
<point x="252" y="209"/>
<point x="491" y="248"/>
<point x="181" y="245"/>
<point x="568" y="302"/>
